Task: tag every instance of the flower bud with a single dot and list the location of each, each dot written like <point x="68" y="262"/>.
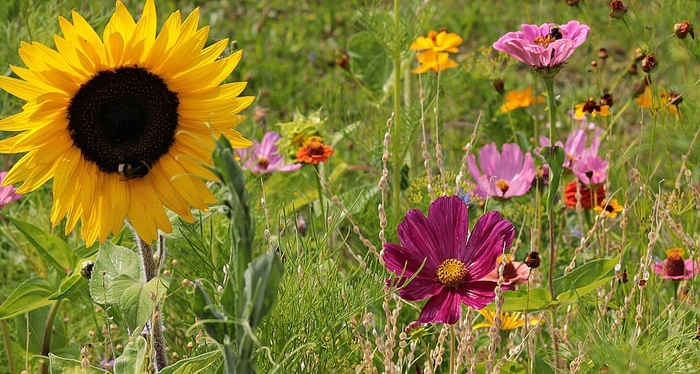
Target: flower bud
<point x="499" y="85"/>
<point x="639" y="54"/>
<point x="617" y="9"/>
<point x="649" y="63"/>
<point x="533" y="260"/>
<point x="632" y="70"/>
<point x="607" y="99"/>
<point x="572" y="2"/>
<point x="683" y="29"/>
<point x="602" y="53"/>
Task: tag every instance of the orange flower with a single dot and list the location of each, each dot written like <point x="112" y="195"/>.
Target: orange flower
<point x="520" y="99"/>
<point x="314" y="151"/>
<point x="609" y="208"/>
<point x="588" y="200"/>
<point x="437" y="42"/>
<point x="669" y="100"/>
<point x="435" y="61"/>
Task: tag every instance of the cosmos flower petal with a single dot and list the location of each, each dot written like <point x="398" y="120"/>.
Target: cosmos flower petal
<point x="415" y="235"/>
<point x="444" y="307"/>
<point x="449" y="220"/>
<point x="490" y="236"/>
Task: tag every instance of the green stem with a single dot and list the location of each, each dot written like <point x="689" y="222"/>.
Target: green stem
<point x="552" y="109"/>
<point x="230" y="360"/>
<point x="396" y="128"/>
<point x="48" y="330"/>
<point x="8" y="345"/>
<point x="319" y="187"/>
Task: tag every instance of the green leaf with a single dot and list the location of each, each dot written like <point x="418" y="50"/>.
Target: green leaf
<point x="131" y="360"/>
<point x="370" y="62"/>
<point x="61" y="365"/>
<point x="262" y="281"/>
<point x="136" y="299"/>
<point x="194" y="365"/>
<point x="71" y="287"/>
<point x="584" y="279"/>
<point x="113" y="261"/>
<point x="555" y="159"/>
<point x="525" y="301"/>
<point x="51" y="248"/>
<point x="214" y="322"/>
<point x="31" y="294"/>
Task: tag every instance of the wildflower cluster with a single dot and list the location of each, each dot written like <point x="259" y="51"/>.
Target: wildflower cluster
<point x="435" y="51"/>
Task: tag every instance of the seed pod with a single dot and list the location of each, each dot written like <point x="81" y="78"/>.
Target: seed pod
<point x="649" y="63"/>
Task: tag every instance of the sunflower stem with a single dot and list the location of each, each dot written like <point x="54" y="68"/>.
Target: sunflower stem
<point x="48" y="330"/>
<point x="150" y="268"/>
<point x="395" y="140"/>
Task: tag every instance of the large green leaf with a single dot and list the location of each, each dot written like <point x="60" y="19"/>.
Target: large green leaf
<point x="136" y="299"/>
<point x="194" y="365"/>
<point x="131" y="360"/>
<point x="525" y="301"/>
<point x="370" y="62"/>
<point x="62" y="365"/>
<point x="31" y="294"/>
<point x="71" y="287"/>
<point x="584" y="279"/>
<point x="262" y="281"/>
<point x="51" y="248"/>
<point x="113" y="261"/>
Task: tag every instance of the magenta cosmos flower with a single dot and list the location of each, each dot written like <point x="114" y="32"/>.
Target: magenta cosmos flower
<point x="7" y="193"/>
<point x="503" y="175"/>
<point x="264" y="157"/>
<point x="674" y="267"/>
<point x="591" y="170"/>
<point x="545" y="46"/>
<point x="439" y="259"/>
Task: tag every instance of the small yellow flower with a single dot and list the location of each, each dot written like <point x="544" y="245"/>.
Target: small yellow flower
<point x="520" y="99"/>
<point x="509" y="320"/>
<point x="591" y="107"/>
<point x="668" y="100"/>
<point x="435" y="61"/>
<point x="437" y="42"/>
<point x="611" y="208"/>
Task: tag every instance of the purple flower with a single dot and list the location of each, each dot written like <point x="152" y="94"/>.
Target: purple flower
<point x="591" y="170"/>
<point x="546" y="46"/>
<point x="504" y="174"/>
<point x="575" y="147"/>
<point x="439" y="259"/>
<point x="7" y="193"/>
<point x="264" y="157"/>
<point x="674" y="267"/>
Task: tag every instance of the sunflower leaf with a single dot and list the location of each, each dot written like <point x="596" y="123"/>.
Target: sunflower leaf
<point x="584" y="279"/>
<point x="136" y="299"/>
<point x="131" y="360"/>
<point x="32" y="294"/>
<point x="70" y="366"/>
<point x="194" y="365"/>
<point x="51" y="248"/>
<point x="111" y="262"/>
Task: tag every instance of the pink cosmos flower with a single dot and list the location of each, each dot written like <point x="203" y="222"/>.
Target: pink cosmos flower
<point x="674" y="267"/>
<point x="439" y="259"/>
<point x="575" y="147"/>
<point x="545" y="46"/>
<point x="7" y="193"/>
<point x="591" y="170"/>
<point x="264" y="157"/>
<point x="514" y="272"/>
<point x="503" y="175"/>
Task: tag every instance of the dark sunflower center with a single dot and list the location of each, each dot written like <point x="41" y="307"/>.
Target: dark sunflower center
<point x="123" y="118"/>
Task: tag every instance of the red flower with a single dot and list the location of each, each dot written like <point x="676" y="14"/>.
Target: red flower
<point x="314" y="151"/>
<point x="588" y="200"/>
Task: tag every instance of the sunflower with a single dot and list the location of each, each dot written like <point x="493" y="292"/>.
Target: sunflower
<point x="124" y="124"/>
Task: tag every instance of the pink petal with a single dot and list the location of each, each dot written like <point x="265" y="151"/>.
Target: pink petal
<point x="448" y="218"/>
<point x="491" y="235"/>
<point x="445" y="307"/>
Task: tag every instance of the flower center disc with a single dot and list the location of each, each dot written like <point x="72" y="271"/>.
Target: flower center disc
<point x="451" y="272"/>
<point x="125" y="116"/>
<point x="502" y="185"/>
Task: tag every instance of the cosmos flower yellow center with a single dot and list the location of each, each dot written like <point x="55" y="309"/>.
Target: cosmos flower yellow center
<point x="263" y="162"/>
<point x="502" y="185"/>
<point x="452" y="272"/>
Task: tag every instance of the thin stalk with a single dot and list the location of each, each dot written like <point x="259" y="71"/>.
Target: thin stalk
<point x="395" y="140"/>
<point x="48" y="330"/>
<point x="453" y="356"/>
<point x="8" y="345"/>
<point x="319" y="187"/>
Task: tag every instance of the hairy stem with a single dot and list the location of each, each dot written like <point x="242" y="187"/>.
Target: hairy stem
<point x="150" y="268"/>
